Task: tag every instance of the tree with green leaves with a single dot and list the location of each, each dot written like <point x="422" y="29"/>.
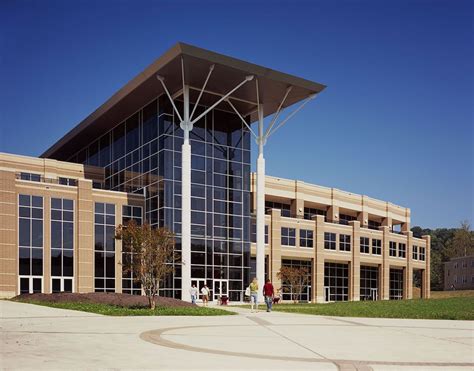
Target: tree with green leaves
<point x="151" y="255"/>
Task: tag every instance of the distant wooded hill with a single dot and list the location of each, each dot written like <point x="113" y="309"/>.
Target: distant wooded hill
<point x="446" y="243"/>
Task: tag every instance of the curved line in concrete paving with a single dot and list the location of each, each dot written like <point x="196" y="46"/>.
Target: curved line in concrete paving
<point x="155" y="337"/>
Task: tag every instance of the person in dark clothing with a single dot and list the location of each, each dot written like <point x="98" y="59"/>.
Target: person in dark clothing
<point x="268" y="293"/>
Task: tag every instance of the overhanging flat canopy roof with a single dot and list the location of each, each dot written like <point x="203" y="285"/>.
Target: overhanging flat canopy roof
<point x="228" y="72"/>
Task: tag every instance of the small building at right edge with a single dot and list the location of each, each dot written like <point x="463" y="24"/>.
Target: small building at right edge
<point x="353" y="247"/>
<point x="459" y="273"/>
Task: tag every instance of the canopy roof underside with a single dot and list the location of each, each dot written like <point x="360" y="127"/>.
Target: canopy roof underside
<point x="227" y="74"/>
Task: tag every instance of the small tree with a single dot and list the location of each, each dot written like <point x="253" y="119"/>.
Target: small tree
<point x="151" y="255"/>
<point x="296" y="277"/>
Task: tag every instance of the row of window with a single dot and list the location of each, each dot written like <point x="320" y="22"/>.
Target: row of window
<point x="31" y="243"/>
<point x="402" y="249"/>
<point x="463" y="279"/>
<point x="288" y="237"/>
<point x="464" y="264"/>
<point x="330" y="241"/>
<point x="32" y="177"/>
<point x="418" y="253"/>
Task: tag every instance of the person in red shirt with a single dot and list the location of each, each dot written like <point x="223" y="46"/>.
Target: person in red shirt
<point x="268" y="293"/>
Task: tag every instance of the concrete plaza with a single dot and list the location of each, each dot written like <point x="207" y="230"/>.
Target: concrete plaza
<point x="45" y="338"/>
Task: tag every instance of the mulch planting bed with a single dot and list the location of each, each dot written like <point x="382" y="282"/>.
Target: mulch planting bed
<point x="121" y="300"/>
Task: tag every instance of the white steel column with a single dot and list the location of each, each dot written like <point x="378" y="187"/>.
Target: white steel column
<point x="186" y="201"/>
<point x="260" y="206"/>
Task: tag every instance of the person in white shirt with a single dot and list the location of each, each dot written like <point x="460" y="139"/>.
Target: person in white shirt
<point x="205" y="295"/>
<point x="194" y="292"/>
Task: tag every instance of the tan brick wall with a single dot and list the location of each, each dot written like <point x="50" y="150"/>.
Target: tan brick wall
<point x="84" y="197"/>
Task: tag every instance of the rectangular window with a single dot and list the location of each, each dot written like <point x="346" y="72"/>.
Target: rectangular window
<point x="376" y="246"/>
<point x="288" y="236"/>
<point x="31" y="177"/>
<point x="415" y="252"/>
<point x="345" y="219"/>
<point x="393" y="249"/>
<point x="344" y="242"/>
<point x="369" y="283"/>
<point x="104" y="247"/>
<point x="253" y="237"/>
<point x="402" y="250"/>
<point x="396" y="284"/>
<point x="30" y="238"/>
<point x="285" y="208"/>
<point x="364" y="245"/>
<point x="62" y="244"/>
<point x="310" y="212"/>
<point x="336" y="282"/>
<point x="422" y="254"/>
<point x="288" y="292"/>
<point x="372" y="224"/>
<point x="329" y="241"/>
<point x="306" y="238"/>
<point x="67" y="181"/>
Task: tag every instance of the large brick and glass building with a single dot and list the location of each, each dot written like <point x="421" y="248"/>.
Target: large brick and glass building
<point x="172" y="148"/>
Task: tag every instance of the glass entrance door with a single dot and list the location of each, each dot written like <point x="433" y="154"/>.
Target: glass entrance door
<point x="199" y="282"/>
<point x="61" y="284"/>
<point x="373" y="294"/>
<point x="327" y="293"/>
<point x="30" y="284"/>
<point x="221" y="288"/>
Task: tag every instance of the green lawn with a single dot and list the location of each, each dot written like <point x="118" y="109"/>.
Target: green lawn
<point x="455" y="308"/>
<point x="111" y="310"/>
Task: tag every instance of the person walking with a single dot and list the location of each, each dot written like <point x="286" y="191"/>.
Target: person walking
<point x="254" y="294"/>
<point x="205" y="295"/>
<point x="268" y="293"/>
<point x="194" y="293"/>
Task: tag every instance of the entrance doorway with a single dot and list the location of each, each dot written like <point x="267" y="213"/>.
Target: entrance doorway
<point x="30" y="284"/>
<point x="374" y="294"/>
<point x="327" y="293"/>
<point x="221" y="288"/>
<point x="199" y="282"/>
<point x="60" y="284"/>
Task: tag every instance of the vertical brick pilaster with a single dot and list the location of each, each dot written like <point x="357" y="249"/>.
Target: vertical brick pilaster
<point x="84" y="253"/>
<point x="385" y="264"/>
<point x="318" y="270"/>
<point x="47" y="244"/>
<point x="363" y="218"/>
<point x="409" y="268"/>
<point x="355" y="266"/>
<point x="333" y="214"/>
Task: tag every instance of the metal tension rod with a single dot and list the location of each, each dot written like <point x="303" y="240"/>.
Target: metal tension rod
<point x="162" y="80"/>
<point x="290" y="116"/>
<point x="277" y="113"/>
<point x="238" y="114"/>
<point x="247" y="79"/>
<point x="211" y="68"/>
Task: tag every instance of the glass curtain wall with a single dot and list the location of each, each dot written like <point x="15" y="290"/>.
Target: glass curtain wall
<point x="287" y="291"/>
<point x="30" y="243"/>
<point x="143" y="154"/>
<point x="62" y="245"/>
<point x="369" y="282"/>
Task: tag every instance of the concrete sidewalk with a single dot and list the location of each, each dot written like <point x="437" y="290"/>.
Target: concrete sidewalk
<point x="46" y="338"/>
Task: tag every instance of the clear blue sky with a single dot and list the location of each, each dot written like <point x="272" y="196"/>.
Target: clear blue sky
<point x="395" y="123"/>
